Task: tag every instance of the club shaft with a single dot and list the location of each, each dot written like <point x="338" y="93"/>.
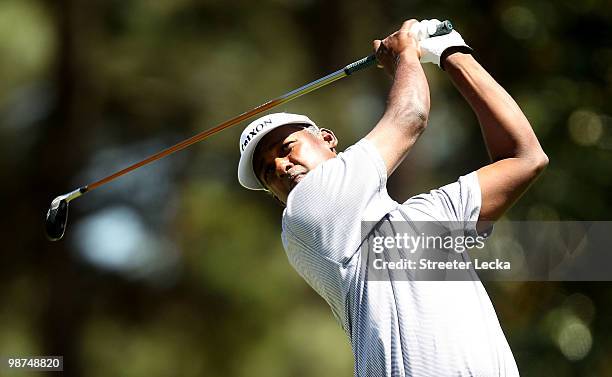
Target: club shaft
<point x="444" y="28"/>
<point x="365" y="62"/>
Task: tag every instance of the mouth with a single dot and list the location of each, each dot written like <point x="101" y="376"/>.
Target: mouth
<point x="295" y="179"/>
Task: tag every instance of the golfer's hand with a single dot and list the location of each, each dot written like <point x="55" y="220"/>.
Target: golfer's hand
<point x="433" y="49"/>
<point x="402" y="43"/>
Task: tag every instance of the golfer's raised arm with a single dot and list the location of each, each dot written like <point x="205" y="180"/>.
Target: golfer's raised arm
<point x="407" y="109"/>
<point x="517" y="157"/>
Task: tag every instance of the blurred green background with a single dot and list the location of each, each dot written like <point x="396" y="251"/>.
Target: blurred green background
<point x="175" y="270"/>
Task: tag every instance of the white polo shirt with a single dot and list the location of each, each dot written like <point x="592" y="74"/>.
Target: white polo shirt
<point x="398" y="327"/>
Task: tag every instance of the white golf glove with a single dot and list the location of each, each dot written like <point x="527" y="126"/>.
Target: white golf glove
<point x="432" y="48"/>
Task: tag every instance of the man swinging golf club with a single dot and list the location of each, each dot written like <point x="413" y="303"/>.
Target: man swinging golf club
<point x="397" y="328"/>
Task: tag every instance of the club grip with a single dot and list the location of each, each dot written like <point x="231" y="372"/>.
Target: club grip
<point x="444" y="28"/>
<point x="360" y="64"/>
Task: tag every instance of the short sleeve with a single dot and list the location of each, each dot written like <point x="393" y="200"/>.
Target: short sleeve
<point x="324" y="211"/>
<point x="322" y="220"/>
<point x="458" y="202"/>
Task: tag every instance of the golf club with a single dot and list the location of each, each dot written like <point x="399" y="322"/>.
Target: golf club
<point x="57" y="215"/>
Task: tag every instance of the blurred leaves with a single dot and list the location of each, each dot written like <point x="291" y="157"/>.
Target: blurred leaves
<point x="27" y="43"/>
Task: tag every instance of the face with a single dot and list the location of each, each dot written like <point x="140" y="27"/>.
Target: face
<point x="285" y="155"/>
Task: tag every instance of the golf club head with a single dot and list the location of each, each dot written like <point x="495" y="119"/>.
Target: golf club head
<point x="57" y="217"/>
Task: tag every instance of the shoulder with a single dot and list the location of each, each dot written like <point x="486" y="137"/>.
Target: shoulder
<point x="352" y="176"/>
<point x="359" y="162"/>
<point x="456" y="201"/>
<point x="332" y="199"/>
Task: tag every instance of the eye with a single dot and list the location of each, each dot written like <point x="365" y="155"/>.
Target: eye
<point x="287" y="146"/>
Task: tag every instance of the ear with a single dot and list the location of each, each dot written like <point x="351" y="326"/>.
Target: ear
<point x="329" y="138"/>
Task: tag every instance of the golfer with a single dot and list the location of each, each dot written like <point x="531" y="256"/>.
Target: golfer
<point x="397" y="328"/>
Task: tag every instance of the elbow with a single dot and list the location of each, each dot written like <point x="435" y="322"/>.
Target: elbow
<point x="544" y="161"/>
<point x="539" y="162"/>
<point x="412" y="121"/>
<point x="538" y="158"/>
<point x="420" y="114"/>
<point x="417" y="120"/>
<point x="534" y="157"/>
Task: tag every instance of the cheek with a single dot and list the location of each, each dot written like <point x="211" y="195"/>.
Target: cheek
<point x="313" y="154"/>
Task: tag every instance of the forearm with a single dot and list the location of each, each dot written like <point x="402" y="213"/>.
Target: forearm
<point x="406" y="113"/>
<point x="506" y="130"/>
<point x="407" y="110"/>
<point x="408" y="99"/>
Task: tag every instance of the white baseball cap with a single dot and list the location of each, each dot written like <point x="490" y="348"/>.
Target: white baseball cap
<point x="252" y="134"/>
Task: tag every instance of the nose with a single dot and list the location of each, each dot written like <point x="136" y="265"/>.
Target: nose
<point x="283" y="164"/>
